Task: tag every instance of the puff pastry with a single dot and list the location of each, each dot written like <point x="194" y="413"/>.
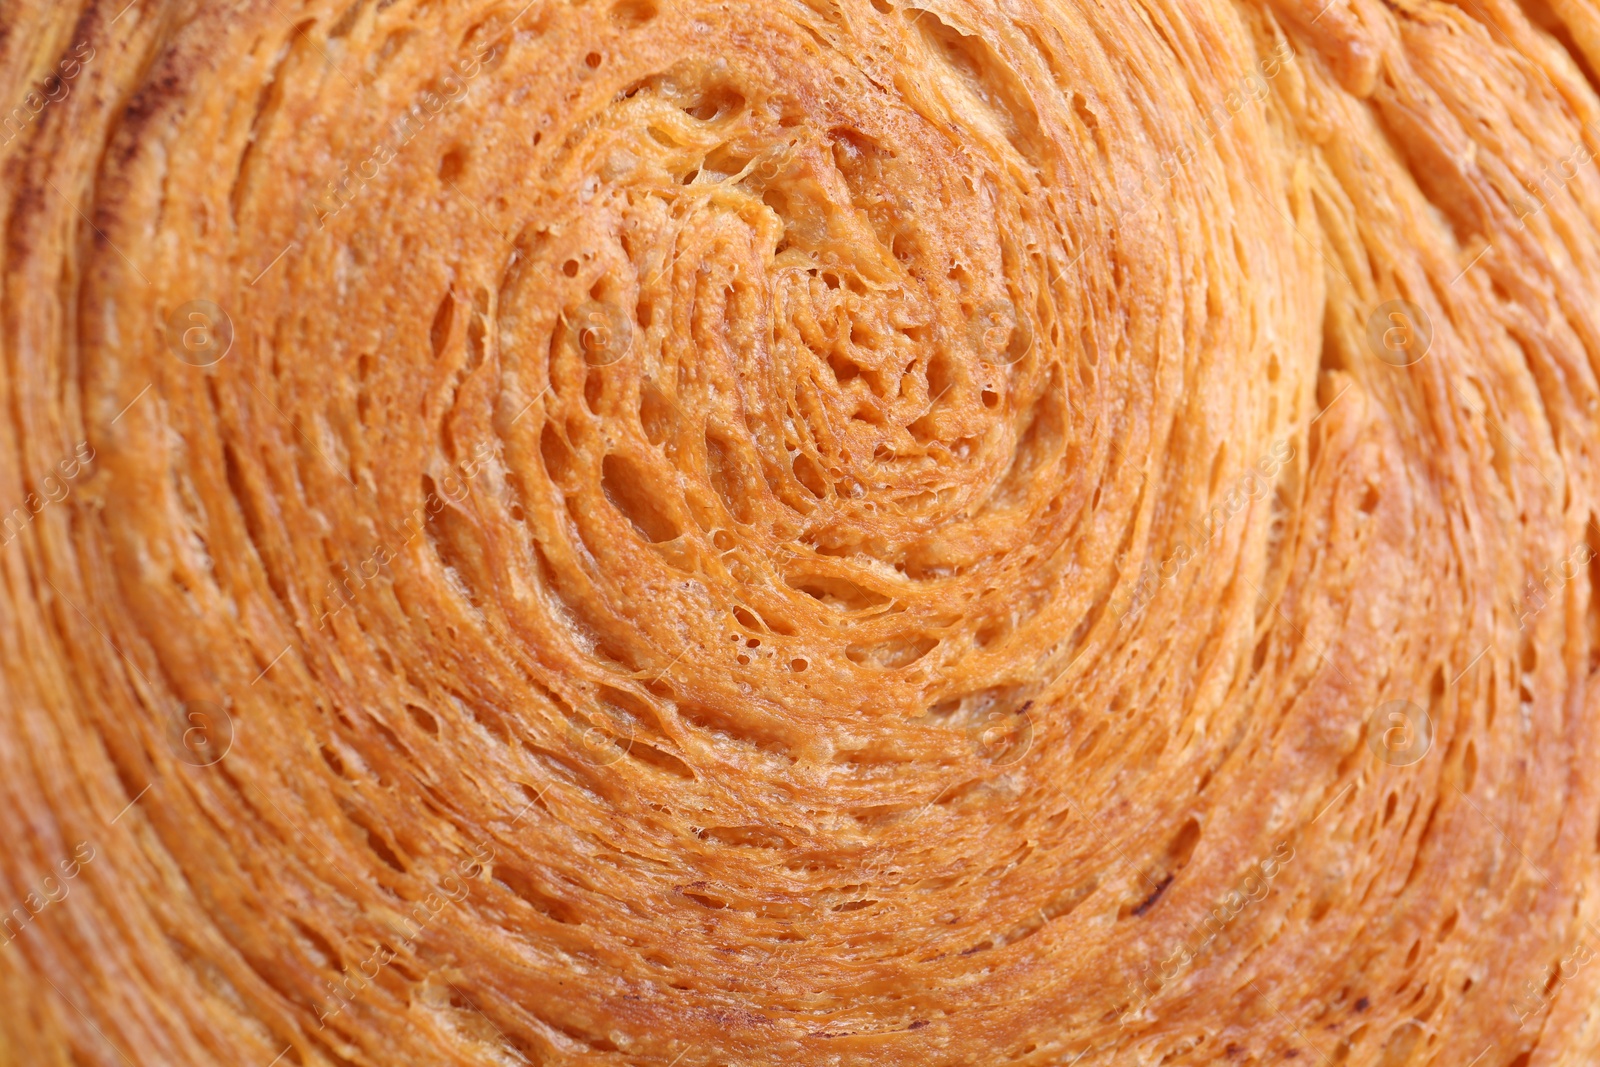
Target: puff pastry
<point x="799" y="532"/>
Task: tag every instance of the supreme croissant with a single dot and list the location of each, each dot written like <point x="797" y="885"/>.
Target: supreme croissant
<point x="799" y="532"/>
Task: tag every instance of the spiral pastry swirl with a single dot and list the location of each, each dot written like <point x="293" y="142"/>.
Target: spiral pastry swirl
<point x="799" y="532"/>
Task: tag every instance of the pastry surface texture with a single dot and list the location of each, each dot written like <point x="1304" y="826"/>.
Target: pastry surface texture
<point x="799" y="532"/>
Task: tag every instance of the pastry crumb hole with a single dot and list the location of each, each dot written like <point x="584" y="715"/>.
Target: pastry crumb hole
<point x="716" y="104"/>
<point x="627" y="487"/>
<point x="633" y="13"/>
<point x="839" y="593"/>
<point x="451" y="164"/>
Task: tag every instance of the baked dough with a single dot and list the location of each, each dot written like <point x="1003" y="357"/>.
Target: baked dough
<point x="649" y="532"/>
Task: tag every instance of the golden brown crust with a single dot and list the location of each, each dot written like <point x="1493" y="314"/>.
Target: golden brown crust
<point x="654" y="532"/>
